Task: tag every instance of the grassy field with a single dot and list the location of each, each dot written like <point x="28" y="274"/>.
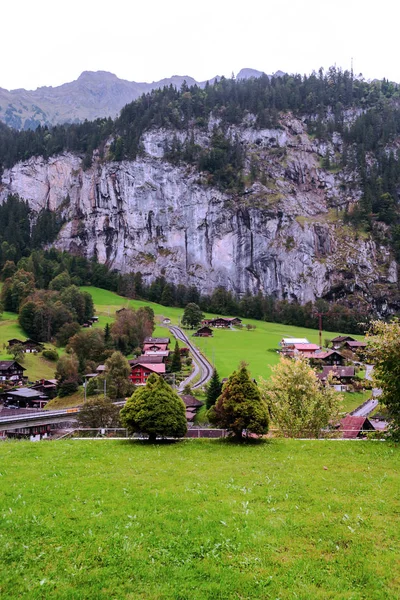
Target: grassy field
<point x="228" y="347"/>
<point x="199" y="520"/>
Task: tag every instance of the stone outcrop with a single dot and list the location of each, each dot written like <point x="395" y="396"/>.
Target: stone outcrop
<point x="283" y="235"/>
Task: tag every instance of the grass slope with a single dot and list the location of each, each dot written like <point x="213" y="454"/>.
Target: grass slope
<point x="228" y="347"/>
<point x="199" y="520"/>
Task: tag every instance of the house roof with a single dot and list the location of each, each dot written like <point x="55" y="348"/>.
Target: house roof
<point x="155" y="368"/>
<point x="357" y="344"/>
<point x="306" y="347"/>
<point x="326" y="354"/>
<point x="337" y="371"/>
<point x="161" y="353"/>
<point x="148" y="359"/>
<point x="153" y="340"/>
<point x="24" y="393"/>
<point x="292" y="341"/>
<point x="7" y="364"/>
<point x="191" y="401"/>
<point x="342" y="338"/>
<point x="351" y="426"/>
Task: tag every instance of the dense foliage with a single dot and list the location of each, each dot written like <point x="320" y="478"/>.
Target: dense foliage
<point x="155" y="410"/>
<point x="384" y="353"/>
<point x="298" y="405"/>
<point x="240" y="408"/>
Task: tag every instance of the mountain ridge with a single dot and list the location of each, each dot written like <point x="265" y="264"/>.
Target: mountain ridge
<point x="94" y="94"/>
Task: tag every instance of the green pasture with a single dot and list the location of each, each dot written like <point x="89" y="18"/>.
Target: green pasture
<point x="228" y="346"/>
<point x="199" y="520"/>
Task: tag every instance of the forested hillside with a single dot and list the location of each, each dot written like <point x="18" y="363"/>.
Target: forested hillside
<point x="327" y="142"/>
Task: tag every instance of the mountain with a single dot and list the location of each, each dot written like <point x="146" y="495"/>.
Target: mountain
<point x="92" y="95"/>
<point x="256" y="185"/>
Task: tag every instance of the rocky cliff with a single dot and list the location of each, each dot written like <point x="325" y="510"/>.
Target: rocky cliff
<point x="284" y="235"/>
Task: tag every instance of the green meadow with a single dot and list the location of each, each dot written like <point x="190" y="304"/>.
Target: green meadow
<point x="199" y="520"/>
<point x="228" y="346"/>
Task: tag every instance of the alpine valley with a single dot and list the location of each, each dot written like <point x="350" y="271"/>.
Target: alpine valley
<point x="286" y="185"/>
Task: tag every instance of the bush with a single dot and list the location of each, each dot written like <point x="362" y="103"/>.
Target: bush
<point x="50" y="354"/>
<point x="67" y="388"/>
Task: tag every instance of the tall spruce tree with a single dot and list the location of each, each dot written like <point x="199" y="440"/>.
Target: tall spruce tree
<point x="176" y="363"/>
<point x="214" y="389"/>
<point x="240" y="408"/>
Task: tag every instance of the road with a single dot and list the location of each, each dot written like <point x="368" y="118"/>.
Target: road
<point x="201" y="364"/>
<point x="366" y="409"/>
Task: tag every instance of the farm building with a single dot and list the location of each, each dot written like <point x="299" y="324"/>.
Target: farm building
<point x="203" y="332"/>
<point x="11" y="370"/>
<point x="354" y="427"/>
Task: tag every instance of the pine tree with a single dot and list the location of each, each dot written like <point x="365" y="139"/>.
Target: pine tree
<point x="214" y="389"/>
<point x="240" y="407"/>
<point x="176" y="363"/>
<point x="155" y="410"/>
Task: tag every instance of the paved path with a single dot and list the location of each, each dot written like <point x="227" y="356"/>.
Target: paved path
<point x="201" y="364"/>
<point x="365" y="409"/>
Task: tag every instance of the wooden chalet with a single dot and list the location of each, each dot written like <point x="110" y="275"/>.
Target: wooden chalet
<point x="309" y="349"/>
<point x="155" y="344"/>
<point x="204" y="331"/>
<point x="28" y="346"/>
<point x="338" y="341"/>
<point x="143" y="366"/>
<point x="25" y="398"/>
<point x="192" y="405"/>
<point x="47" y="387"/>
<point x="355" y="346"/>
<point x="328" y="357"/>
<point x="355" y="427"/>
<point x="344" y="376"/>
<point x="11" y="370"/>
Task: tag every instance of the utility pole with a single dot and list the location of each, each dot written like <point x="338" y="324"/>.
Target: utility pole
<point x="320" y="315"/>
<point x="105" y="387"/>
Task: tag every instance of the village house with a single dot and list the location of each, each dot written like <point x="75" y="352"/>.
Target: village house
<point x="192" y="405"/>
<point x="343" y="375"/>
<point x="204" y="332"/>
<point x="222" y="322"/>
<point x="155" y="344"/>
<point x="46" y="386"/>
<point x="309" y="349"/>
<point x="28" y="346"/>
<point x="355" y="427"/>
<point x="354" y="346"/>
<point x="328" y="357"/>
<point x="11" y="370"/>
<point x="143" y="366"/>
<point x="25" y="398"/>
<point x="287" y="344"/>
<point x="338" y="341"/>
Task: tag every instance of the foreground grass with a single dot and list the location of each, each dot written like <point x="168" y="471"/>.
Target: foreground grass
<point x="199" y="520"/>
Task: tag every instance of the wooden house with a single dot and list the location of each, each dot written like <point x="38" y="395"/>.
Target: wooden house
<point x="28" y="346"/>
<point x="204" y="331"/>
<point x="143" y="366"/>
<point x="309" y="349"/>
<point x="155" y="344"/>
<point x="339" y="341"/>
<point x="354" y="345"/>
<point x="344" y="376"/>
<point x="192" y="405"/>
<point x="11" y="370"/>
<point x="287" y="344"/>
<point x="47" y="387"/>
<point x="328" y="357"/>
<point x="26" y="398"/>
<point x="354" y="427"/>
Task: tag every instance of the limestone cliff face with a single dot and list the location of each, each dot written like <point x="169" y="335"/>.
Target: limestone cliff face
<point x="283" y="236"/>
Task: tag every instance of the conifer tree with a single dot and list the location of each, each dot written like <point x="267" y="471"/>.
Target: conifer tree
<point x="155" y="410"/>
<point x="240" y="407"/>
<point x="176" y="363"/>
<point x="214" y="389"/>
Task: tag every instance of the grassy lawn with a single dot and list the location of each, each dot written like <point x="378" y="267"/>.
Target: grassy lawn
<point x="199" y="520"/>
<point x="351" y="400"/>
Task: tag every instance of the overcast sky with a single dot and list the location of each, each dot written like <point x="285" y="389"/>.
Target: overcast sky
<point x="49" y="43"/>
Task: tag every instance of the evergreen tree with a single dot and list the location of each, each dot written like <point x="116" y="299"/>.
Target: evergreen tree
<point x="155" y="410"/>
<point x="214" y="389"/>
<point x="240" y="407"/>
<point x="176" y="363"/>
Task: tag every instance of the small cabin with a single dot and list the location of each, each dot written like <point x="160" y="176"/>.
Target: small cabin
<point x="203" y="332"/>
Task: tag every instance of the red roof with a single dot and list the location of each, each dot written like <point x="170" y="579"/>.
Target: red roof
<point x="357" y="344"/>
<point x="352" y="426"/>
<point x="345" y="372"/>
<point x="306" y="347"/>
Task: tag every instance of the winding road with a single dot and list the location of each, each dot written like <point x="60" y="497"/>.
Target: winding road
<point x="201" y="364"/>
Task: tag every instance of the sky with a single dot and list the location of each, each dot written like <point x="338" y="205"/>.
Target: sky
<point x="50" y="43"/>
